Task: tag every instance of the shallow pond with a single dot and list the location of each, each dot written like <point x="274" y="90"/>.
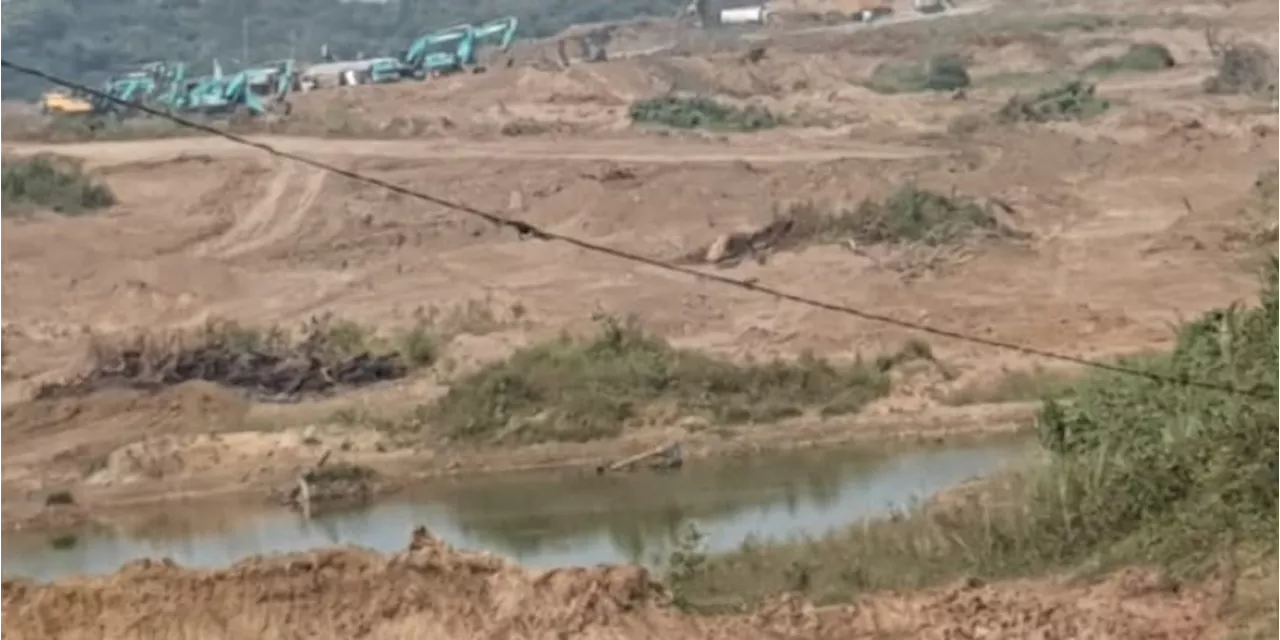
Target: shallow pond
<point x="544" y="519"/>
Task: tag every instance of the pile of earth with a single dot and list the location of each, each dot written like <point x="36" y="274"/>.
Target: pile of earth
<point x="433" y="591"/>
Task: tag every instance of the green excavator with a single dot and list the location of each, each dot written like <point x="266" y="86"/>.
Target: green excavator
<point x="444" y="52"/>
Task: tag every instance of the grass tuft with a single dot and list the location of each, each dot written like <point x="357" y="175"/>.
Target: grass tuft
<point x="1244" y="68"/>
<point x="1141" y="57"/>
<point x="946" y="72"/>
<point x="578" y="389"/>
<point x="1072" y="101"/>
<point x="908" y="216"/>
<point x="45" y="181"/>
<point x="698" y="112"/>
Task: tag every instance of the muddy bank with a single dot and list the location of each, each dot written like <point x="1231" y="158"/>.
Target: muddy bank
<point x="538" y="519"/>
<point x="432" y="590"/>
<point x="257" y="466"/>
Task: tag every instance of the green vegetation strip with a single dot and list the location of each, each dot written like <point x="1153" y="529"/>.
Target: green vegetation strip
<point x="909" y="215"/>
<point x="1072" y="101"/>
<point x="1140" y="57"/>
<point x="50" y="182"/>
<point x="578" y="389"/>
<point x="1134" y="471"/>
<point x="939" y="73"/>
<point x="701" y="113"/>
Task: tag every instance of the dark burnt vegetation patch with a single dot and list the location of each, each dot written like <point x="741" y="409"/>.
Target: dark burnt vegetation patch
<point x="273" y="364"/>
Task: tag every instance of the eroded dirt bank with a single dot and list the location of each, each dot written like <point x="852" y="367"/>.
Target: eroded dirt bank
<point x="433" y="591"/>
<point x="190" y="454"/>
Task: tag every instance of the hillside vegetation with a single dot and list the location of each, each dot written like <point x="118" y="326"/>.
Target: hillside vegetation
<point x="89" y="40"/>
<point x="1135" y="471"/>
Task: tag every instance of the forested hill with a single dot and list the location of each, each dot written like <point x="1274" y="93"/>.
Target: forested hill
<point x="89" y="39"/>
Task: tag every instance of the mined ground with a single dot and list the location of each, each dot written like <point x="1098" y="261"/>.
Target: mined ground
<point x="1125" y="223"/>
<point x="1119" y="226"/>
<point x="431" y="590"/>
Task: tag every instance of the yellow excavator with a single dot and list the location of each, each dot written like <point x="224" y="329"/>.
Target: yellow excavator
<point x="58" y="102"/>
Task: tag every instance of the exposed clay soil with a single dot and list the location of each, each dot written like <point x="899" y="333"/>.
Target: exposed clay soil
<point x="1132" y="221"/>
<point x="433" y="591"/>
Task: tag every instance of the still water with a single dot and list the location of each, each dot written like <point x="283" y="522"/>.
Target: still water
<point x="543" y="520"/>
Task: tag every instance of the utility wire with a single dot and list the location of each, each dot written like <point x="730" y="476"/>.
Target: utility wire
<point x="526" y="230"/>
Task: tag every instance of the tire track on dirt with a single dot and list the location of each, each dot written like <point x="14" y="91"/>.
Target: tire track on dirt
<point x="267" y="222"/>
<point x="646" y="151"/>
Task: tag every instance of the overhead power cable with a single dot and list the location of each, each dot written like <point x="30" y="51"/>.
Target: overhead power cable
<point x="527" y="230"/>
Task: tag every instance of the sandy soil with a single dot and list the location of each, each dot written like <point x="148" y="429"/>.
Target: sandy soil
<point x="1133" y="222"/>
<point x="433" y="591"/>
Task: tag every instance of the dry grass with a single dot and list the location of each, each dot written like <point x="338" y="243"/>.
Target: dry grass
<point x="324" y="353"/>
<point x="1016" y="386"/>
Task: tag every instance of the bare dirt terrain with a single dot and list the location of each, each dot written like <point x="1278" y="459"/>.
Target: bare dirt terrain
<point x="433" y="591"/>
<point x="1126" y="223"/>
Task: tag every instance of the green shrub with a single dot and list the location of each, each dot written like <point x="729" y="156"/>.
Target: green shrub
<point x="1143" y="57"/>
<point x="1171" y="465"/>
<point x="48" y="182"/>
<point x="701" y="113"/>
<point x="59" y="498"/>
<point x="909" y="215"/>
<point x="941" y="73"/>
<point x="946" y="73"/>
<point x="1243" y="68"/>
<point x="1138" y="471"/>
<point x="579" y="389"/>
<point x="1071" y="101"/>
<point x="1267" y="186"/>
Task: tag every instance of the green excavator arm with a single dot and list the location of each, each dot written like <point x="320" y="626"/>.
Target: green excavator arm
<point x="428" y="53"/>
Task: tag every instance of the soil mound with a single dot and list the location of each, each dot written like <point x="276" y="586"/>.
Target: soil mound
<point x="429" y="589"/>
<point x="433" y="591"/>
<point x="70" y="435"/>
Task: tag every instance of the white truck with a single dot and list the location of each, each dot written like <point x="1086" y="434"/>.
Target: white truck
<point x="758" y="14"/>
<point x="932" y="6"/>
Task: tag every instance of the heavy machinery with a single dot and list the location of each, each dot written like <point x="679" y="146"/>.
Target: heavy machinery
<point x="234" y="94"/>
<point x="758" y="15"/>
<point x="932" y="6"/>
<point x="256" y="91"/>
<point x="274" y="81"/>
<point x="66" y="103"/>
<point x="135" y="87"/>
<point x="440" y="53"/>
<point x="444" y="52"/>
<point x="504" y="29"/>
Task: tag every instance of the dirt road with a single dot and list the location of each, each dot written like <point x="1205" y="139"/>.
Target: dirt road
<point x="630" y="150"/>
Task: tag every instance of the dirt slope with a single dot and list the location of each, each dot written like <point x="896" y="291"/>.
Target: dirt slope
<point x="433" y="591"/>
<point x="1131" y="221"/>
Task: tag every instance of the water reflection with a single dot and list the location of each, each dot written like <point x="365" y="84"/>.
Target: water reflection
<point x="543" y="519"/>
